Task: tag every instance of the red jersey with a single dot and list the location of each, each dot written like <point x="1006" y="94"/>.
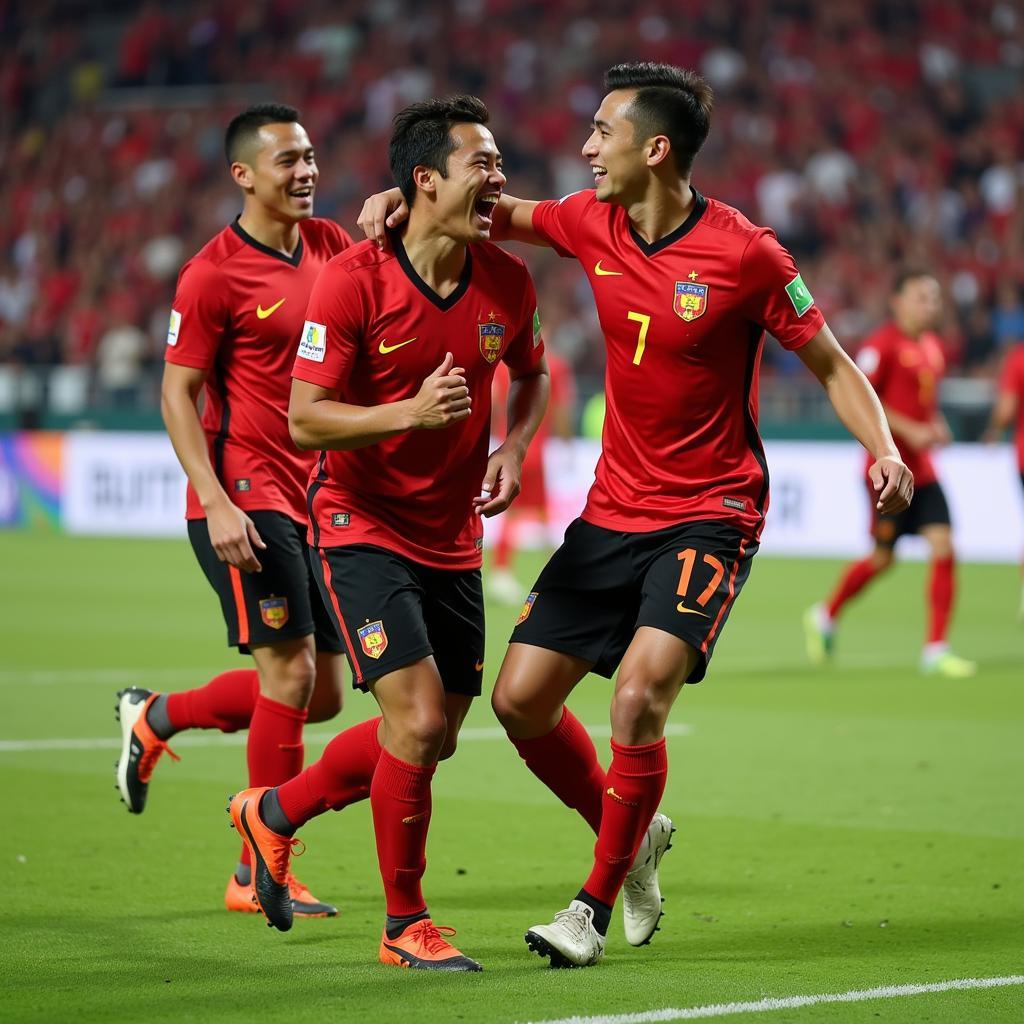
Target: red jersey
<point x="1011" y="382"/>
<point x="684" y="321"/>
<point x="906" y="375"/>
<point x="237" y="313"/>
<point x="374" y="331"/>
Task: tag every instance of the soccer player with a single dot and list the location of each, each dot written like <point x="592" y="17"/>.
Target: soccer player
<point x="685" y="289"/>
<point x="237" y="312"/>
<point x="1009" y="410"/>
<point x="903" y="360"/>
<point x="393" y="384"/>
<point x="501" y="581"/>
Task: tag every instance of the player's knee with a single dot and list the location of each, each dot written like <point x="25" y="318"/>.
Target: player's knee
<point x="291" y="682"/>
<point x="638" y="705"/>
<point x="514" y="710"/>
<point x="422" y="729"/>
<point x="448" y="747"/>
<point x="325" y="704"/>
<point x="881" y="558"/>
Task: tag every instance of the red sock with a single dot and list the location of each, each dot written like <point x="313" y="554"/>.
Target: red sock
<point x="341" y="776"/>
<point x="275" y="749"/>
<point x="635" y="783"/>
<point x="400" y="799"/>
<point x="856" y="577"/>
<point x="941" y="591"/>
<point x="226" y="702"/>
<point x="502" y="556"/>
<point x="566" y="762"/>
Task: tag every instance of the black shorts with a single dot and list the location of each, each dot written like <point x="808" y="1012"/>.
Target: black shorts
<point x="928" y="508"/>
<point x="392" y="611"/>
<point x="280" y="603"/>
<point x="601" y="585"/>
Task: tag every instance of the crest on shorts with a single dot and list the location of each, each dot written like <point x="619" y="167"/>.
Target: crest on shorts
<point x="373" y="639"/>
<point x="691" y="300"/>
<point x="274" y="611"/>
<point x="527" y="608"/>
<point x="492" y="338"/>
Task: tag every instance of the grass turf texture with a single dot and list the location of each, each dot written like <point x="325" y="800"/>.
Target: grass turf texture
<point x="838" y="829"/>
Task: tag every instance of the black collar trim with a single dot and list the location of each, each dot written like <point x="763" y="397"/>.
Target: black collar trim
<point x="700" y="204"/>
<point x="410" y="272"/>
<point x="294" y="260"/>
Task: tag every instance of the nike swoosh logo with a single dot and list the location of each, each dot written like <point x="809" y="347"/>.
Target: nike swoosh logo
<point x="690" y="611"/>
<point x="384" y="349"/>
<point x="478" y="667"/>
<point x="264" y="313"/>
<point x="620" y="800"/>
<point x="601" y="272"/>
<point x="413" y="818"/>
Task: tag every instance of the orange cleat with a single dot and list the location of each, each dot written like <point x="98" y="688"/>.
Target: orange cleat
<point x="242" y="899"/>
<point x="270" y="854"/>
<point x="423" y="946"/>
<point x="141" y="748"/>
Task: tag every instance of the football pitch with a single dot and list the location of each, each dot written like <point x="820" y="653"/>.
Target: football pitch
<point x="840" y="830"/>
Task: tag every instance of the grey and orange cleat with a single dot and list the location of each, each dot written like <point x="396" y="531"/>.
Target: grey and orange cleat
<point x="141" y="748"/>
<point x="424" y="946"/>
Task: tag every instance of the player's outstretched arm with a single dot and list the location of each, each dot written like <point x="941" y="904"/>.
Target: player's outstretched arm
<point x="232" y="533"/>
<point x="527" y="400"/>
<point x="318" y="420"/>
<point x="513" y="218"/>
<point x="857" y="405"/>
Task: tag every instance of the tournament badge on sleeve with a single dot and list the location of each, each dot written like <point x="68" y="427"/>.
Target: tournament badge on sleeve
<point x="373" y="639"/>
<point x="492" y="338"/>
<point x="274" y="611"/>
<point x="691" y="300"/>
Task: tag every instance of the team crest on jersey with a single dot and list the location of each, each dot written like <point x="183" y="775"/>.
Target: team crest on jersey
<point x="691" y="300"/>
<point x="274" y="611"/>
<point x="373" y="639"/>
<point x="492" y="339"/>
<point x="527" y="608"/>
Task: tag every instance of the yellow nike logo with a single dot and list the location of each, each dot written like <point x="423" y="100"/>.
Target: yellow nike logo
<point x="384" y="349"/>
<point x="413" y="818"/>
<point x="478" y="667"/>
<point x="619" y="799"/>
<point x="689" y="611"/>
<point x="264" y="313"/>
<point x="601" y="272"/>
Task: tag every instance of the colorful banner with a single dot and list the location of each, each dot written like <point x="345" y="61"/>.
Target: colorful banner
<point x="31" y="467"/>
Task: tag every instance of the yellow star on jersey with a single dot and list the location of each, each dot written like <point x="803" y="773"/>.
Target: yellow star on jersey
<point x="692" y="275"/>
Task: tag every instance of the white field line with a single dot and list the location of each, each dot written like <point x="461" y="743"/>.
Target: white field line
<point x="209" y="738"/>
<point x="793" y="1002"/>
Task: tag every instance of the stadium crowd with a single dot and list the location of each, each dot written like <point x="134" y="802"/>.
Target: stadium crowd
<point x="868" y="133"/>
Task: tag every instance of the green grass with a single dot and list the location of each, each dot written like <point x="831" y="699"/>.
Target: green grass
<point x="838" y="829"/>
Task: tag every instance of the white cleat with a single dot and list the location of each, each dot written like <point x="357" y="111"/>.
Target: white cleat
<point x="571" y="940"/>
<point x="641" y="894"/>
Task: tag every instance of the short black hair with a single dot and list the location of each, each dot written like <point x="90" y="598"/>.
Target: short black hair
<point x="904" y="275"/>
<point x="421" y="137"/>
<point x="243" y="128"/>
<point x="670" y="101"/>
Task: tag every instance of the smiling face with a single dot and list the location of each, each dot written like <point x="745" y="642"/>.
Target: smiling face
<point x="279" y="171"/>
<point x="464" y="200"/>
<point x="620" y="162"/>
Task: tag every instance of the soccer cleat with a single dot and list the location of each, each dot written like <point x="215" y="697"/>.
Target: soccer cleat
<point x="270" y="854"/>
<point x="423" y="946"/>
<point x="948" y="664"/>
<point x="305" y="904"/>
<point x="641" y="893"/>
<point x="140" y="747"/>
<point x="571" y="940"/>
<point x="819" y="635"/>
<point x="242" y="899"/>
<point x="503" y="587"/>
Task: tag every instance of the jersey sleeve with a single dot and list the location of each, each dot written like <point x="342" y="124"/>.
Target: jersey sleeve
<point x="526" y="347"/>
<point x="200" y="316"/>
<point x="338" y="238"/>
<point x="329" y="342"/>
<point x="558" y="221"/>
<point x="777" y="297"/>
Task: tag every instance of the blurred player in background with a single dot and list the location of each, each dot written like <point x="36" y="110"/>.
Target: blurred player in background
<point x="234" y="326"/>
<point x="903" y="360"/>
<point x="685" y="288"/>
<point x="1009" y="412"/>
<point x="393" y="382"/>
<point x="532" y="502"/>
